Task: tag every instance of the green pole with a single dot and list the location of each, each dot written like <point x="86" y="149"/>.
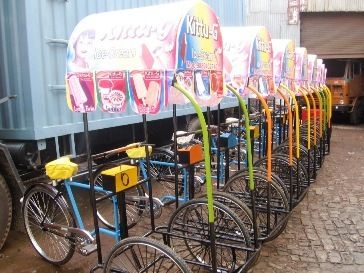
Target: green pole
<point x="206" y="145"/>
<point x="247" y="126"/>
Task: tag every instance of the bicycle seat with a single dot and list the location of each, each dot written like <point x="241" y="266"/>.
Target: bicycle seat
<point x="183" y="140"/>
<point x="61" y="168"/>
<point x="232" y="121"/>
<point x="138" y="152"/>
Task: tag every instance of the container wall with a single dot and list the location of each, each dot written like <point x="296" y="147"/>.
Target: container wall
<point x="32" y="64"/>
<point x="16" y="116"/>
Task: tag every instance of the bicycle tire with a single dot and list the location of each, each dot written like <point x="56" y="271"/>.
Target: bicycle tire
<point x="239" y="186"/>
<point x="280" y="166"/>
<point x="37" y="202"/>
<point x="238" y="207"/>
<point x="263" y="171"/>
<point x="119" y="261"/>
<point x="284" y="149"/>
<point x="105" y="208"/>
<point x="192" y="217"/>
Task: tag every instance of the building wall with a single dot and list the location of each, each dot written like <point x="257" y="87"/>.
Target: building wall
<point x="273" y="15"/>
<point x="335" y="5"/>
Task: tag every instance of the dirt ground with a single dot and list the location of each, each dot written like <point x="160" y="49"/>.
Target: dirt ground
<point x="324" y="234"/>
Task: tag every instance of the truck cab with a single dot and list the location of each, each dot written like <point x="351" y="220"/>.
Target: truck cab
<point x="346" y="80"/>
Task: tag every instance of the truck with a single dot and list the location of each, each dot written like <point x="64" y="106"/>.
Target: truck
<point x="346" y="80"/>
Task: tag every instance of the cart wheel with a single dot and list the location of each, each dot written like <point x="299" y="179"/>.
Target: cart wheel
<point x="284" y="149"/>
<point x="139" y="254"/>
<point x="105" y="209"/>
<point x="238" y="186"/>
<point x="189" y="223"/>
<point x="280" y="166"/>
<point x="38" y="202"/>
<point x="238" y="207"/>
<point x="318" y="149"/>
<point x="263" y="171"/>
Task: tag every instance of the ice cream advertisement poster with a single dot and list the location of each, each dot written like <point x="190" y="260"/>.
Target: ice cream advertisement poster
<point x="318" y="78"/>
<point x="312" y="67"/>
<point x="123" y="40"/>
<point x="237" y="51"/>
<point x="289" y="61"/>
<point x="199" y="49"/>
<point x="199" y="40"/>
<point x="146" y="91"/>
<point x="80" y="92"/>
<point x="283" y="60"/>
<point x="112" y="90"/>
<point x="248" y="55"/>
<point x="279" y="47"/>
<point x="261" y="62"/>
<point x="301" y="65"/>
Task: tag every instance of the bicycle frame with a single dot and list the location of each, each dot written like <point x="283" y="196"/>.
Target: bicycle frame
<point x="69" y="184"/>
<point x="185" y="179"/>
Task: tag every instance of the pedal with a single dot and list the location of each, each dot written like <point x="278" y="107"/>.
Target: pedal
<point x="157" y="207"/>
<point x="88" y="249"/>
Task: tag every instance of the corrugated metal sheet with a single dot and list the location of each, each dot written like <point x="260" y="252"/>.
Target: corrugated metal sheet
<point x="335" y="5"/>
<point x="273" y="15"/>
<point x="14" y="75"/>
<point x="32" y="63"/>
<point x="258" y="6"/>
<point x="345" y="40"/>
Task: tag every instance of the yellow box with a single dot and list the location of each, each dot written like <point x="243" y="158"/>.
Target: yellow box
<point x="256" y="131"/>
<point x="120" y="178"/>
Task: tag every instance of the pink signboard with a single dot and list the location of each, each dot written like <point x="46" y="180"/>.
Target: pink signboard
<point x="248" y="57"/>
<point x="283" y="60"/>
<point x="80" y="89"/>
<point x="136" y="52"/>
<point x="312" y="68"/>
<point x="301" y="73"/>
<point x="112" y="90"/>
<point x="319" y="63"/>
<point x="324" y="72"/>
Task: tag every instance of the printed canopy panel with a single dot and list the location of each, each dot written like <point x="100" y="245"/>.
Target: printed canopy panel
<point x="301" y="73"/>
<point x="248" y="56"/>
<point x="132" y="55"/>
<point x="283" y="60"/>
<point x="312" y="68"/>
<point x="320" y="71"/>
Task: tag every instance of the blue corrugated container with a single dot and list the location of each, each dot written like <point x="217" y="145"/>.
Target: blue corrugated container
<point x="32" y="64"/>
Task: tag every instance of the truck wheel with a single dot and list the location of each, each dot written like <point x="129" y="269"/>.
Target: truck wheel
<point x="6" y="209"/>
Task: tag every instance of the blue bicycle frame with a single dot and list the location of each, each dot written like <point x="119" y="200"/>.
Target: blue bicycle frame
<point x="69" y="184"/>
<point x="185" y="177"/>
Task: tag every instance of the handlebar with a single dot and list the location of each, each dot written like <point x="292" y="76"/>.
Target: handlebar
<point x="112" y="152"/>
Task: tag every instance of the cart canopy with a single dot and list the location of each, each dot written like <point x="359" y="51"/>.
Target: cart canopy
<point x="301" y="73"/>
<point x="320" y="71"/>
<point x="248" y="58"/>
<point x="312" y="68"/>
<point x="133" y="55"/>
<point x="283" y="61"/>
